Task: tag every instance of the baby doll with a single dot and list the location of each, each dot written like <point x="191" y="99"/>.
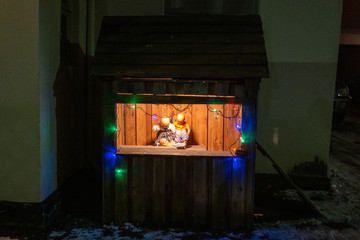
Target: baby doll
<point x="182" y="131"/>
<point x="166" y="132"/>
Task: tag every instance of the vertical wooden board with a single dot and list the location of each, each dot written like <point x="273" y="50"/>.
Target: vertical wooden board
<point x="248" y="132"/>
<point x="158" y="210"/>
<point x="148" y="189"/>
<point x="200" y="202"/>
<point x="179" y="191"/>
<point x="121" y="190"/>
<point x="149" y="131"/>
<point x="168" y="189"/>
<point x="199" y="124"/>
<point x="189" y="191"/>
<point x="170" y="88"/>
<point x="108" y="161"/>
<point x="119" y="125"/>
<point x="231" y="133"/>
<point x="219" y="194"/>
<point x="215" y="129"/>
<point x="141" y="130"/>
<point x="130" y="125"/>
<point x="165" y="110"/>
<point x="237" y="205"/>
<point x="138" y="191"/>
<point x="222" y="89"/>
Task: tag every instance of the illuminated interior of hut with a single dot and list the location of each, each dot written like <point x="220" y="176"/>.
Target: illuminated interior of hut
<point x="179" y="129"/>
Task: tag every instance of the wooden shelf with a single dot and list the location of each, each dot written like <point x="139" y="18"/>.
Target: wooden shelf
<point x="192" y="150"/>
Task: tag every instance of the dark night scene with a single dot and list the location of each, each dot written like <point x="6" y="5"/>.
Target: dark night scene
<point x="180" y="119"/>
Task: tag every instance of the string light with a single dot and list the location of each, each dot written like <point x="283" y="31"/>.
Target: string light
<point x="238" y="127"/>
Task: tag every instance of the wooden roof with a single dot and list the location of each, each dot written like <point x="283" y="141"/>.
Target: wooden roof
<point x="183" y="47"/>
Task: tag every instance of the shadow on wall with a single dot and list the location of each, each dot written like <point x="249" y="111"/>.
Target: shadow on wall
<point x="69" y="89"/>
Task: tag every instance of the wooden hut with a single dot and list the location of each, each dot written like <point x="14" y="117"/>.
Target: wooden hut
<point x="209" y="68"/>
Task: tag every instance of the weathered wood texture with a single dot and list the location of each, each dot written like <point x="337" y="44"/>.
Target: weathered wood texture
<point x="108" y="161"/>
<point x="193" y="89"/>
<point x="222" y="47"/>
<point x="208" y="128"/>
<point x="181" y="191"/>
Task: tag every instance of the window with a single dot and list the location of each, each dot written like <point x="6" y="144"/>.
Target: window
<point x="214" y="128"/>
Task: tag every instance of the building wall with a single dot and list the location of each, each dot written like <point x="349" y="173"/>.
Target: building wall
<point x="28" y="64"/>
<point x="295" y="104"/>
<point x="19" y="101"/>
<point x="49" y="60"/>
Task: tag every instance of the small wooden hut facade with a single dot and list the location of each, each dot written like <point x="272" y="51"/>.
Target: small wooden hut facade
<point x="209" y="68"/>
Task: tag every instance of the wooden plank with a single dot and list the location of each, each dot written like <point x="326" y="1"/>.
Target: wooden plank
<point x="158" y="213"/>
<point x="182" y="28"/>
<point x="166" y="110"/>
<point x="174" y="59"/>
<point x="183" y="71"/>
<point x="221" y="89"/>
<point x="189" y="20"/>
<point x="141" y="127"/>
<point x="155" y="119"/>
<point x="108" y="161"/>
<point x="119" y="125"/>
<point x="130" y="125"/>
<point x="148" y="109"/>
<point x="194" y="48"/>
<point x="231" y="133"/>
<point x="199" y="125"/>
<point x="138" y="191"/>
<point x="223" y="38"/>
<point x="179" y="191"/>
<point x="159" y="88"/>
<point x="237" y="205"/>
<point x="169" y="190"/>
<point x="215" y="129"/>
<point x="219" y="192"/>
<point x="218" y="205"/>
<point x="191" y="150"/>
<point x="189" y="191"/>
<point x="113" y="98"/>
<point x="200" y="203"/>
<point x="249" y="133"/>
<point x="121" y="190"/>
<point x="149" y="172"/>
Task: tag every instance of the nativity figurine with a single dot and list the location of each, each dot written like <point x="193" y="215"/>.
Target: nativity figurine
<point x="182" y="131"/>
<point x="166" y="132"/>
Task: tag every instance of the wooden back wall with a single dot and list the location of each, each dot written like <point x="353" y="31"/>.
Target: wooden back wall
<point x="208" y="128"/>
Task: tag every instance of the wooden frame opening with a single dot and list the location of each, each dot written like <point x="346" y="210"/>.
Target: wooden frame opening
<point x="215" y="128"/>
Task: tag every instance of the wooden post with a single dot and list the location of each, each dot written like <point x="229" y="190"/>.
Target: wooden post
<point x="108" y="160"/>
<point x="249" y="133"/>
